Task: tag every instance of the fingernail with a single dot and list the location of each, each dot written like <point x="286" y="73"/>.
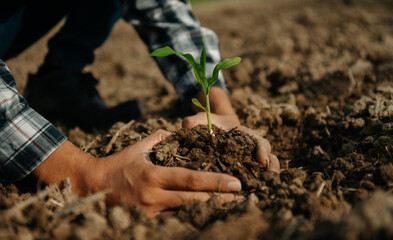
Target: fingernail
<point x="234" y="186"/>
<point x="268" y="163"/>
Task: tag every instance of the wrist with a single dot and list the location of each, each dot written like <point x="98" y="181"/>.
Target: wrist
<point x="68" y="161"/>
<point x="219" y="102"/>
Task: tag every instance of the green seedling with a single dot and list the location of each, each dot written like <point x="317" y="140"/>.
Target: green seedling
<point x="200" y="73"/>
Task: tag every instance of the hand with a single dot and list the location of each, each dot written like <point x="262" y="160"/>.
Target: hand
<point x="223" y="121"/>
<point x="135" y="180"/>
<point x="224" y="117"/>
<point x="264" y="155"/>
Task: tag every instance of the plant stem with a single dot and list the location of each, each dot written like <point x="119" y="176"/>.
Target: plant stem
<point x="209" y="122"/>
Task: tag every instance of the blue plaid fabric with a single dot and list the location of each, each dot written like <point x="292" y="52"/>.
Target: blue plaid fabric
<point x="26" y="138"/>
<point x="172" y="23"/>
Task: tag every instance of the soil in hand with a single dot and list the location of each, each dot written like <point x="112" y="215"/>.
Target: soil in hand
<point x="232" y="152"/>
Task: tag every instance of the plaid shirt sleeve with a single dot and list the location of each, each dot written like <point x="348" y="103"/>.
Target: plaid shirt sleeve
<point x="26" y="138"/>
<point x="171" y="23"/>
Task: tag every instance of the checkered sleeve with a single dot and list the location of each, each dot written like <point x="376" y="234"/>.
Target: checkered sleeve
<point x="171" y="23"/>
<point x="26" y="138"/>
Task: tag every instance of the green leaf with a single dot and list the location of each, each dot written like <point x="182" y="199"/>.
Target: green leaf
<point x="203" y="57"/>
<point x="227" y="63"/>
<point x="198" y="104"/>
<point x="199" y="73"/>
<point x="198" y="69"/>
<point x="163" y="52"/>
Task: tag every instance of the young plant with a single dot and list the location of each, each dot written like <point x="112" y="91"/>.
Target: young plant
<point x="200" y="73"/>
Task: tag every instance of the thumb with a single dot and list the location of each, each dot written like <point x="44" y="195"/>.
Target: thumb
<point x="262" y="155"/>
<point x="149" y="142"/>
<point x="192" y="121"/>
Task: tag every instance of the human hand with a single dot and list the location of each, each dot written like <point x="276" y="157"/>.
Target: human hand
<point x="134" y="179"/>
<point x="264" y="155"/>
<point x="223" y="121"/>
<point x="222" y="113"/>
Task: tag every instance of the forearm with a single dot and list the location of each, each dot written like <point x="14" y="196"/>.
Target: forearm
<point x="26" y="138"/>
<point x="68" y="161"/>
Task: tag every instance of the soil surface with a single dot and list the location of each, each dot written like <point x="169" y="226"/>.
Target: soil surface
<point x="316" y="80"/>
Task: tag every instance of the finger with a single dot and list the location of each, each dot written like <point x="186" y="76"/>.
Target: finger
<point x="149" y="142"/>
<point x="174" y="199"/>
<point x="192" y="121"/>
<point x="274" y="164"/>
<point x="165" y="214"/>
<point x="184" y="179"/>
<point x="247" y="130"/>
<point x="263" y="154"/>
<point x="170" y="200"/>
<point x="265" y="143"/>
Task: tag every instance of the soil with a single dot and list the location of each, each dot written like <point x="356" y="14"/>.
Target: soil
<point x="316" y="80"/>
<point x="231" y="152"/>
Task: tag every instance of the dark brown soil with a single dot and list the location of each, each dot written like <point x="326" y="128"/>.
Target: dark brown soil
<point x="316" y="80"/>
<point x="231" y="152"/>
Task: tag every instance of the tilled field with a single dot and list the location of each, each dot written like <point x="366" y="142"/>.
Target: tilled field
<point x="316" y="80"/>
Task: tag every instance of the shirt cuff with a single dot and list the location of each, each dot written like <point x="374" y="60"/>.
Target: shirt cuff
<point x="26" y="141"/>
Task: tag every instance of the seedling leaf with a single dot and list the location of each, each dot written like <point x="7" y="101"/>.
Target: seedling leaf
<point x="198" y="69"/>
<point x="227" y="63"/>
<point x="203" y="58"/>
<point x="198" y="104"/>
<point x="163" y="52"/>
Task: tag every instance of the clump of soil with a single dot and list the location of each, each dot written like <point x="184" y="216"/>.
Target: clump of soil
<point x="232" y="152"/>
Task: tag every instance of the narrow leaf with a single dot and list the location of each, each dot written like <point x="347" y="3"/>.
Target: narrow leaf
<point x="203" y="56"/>
<point x="227" y="63"/>
<point x="199" y="74"/>
<point x="198" y="70"/>
<point x="198" y="104"/>
<point x="163" y="52"/>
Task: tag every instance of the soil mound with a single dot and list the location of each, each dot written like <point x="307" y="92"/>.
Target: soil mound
<point x="231" y="152"/>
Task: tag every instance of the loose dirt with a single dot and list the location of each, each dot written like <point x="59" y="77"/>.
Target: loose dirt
<point x="316" y="80"/>
<point x="231" y="152"/>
